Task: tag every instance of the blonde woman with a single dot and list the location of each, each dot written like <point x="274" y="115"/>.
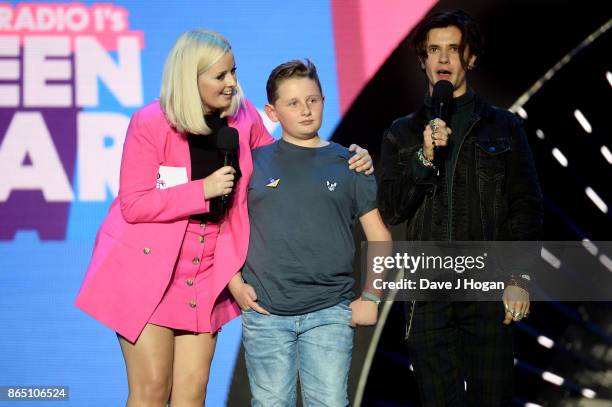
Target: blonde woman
<point x="163" y="257"/>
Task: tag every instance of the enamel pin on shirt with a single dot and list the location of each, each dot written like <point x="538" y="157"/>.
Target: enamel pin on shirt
<point x="273" y="182"/>
<point x="331" y="186"/>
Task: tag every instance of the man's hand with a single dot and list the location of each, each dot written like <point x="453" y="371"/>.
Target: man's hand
<point x="516" y="303"/>
<point x="436" y="134"/>
<point x="361" y="160"/>
<point x="245" y="295"/>
<point x="365" y="313"/>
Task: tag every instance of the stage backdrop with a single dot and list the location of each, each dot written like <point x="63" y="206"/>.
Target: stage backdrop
<point x="71" y="75"/>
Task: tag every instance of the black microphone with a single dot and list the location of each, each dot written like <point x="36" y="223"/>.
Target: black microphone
<point x="227" y="145"/>
<point x="441" y="98"/>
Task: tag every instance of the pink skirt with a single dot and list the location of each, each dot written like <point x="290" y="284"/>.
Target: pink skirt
<point x="186" y="304"/>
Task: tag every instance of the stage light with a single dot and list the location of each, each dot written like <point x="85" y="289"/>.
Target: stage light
<point x="596" y="199"/>
<point x="553" y="378"/>
<point x="590" y="247"/>
<point x="583" y="121"/>
<point x="607" y="154"/>
<point x="546" y="341"/>
<point x="559" y="156"/>
<point x="605" y="260"/>
<point x="550" y="258"/>
<point x="588" y="393"/>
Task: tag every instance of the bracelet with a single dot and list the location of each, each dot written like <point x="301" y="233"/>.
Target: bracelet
<point x="421" y="157"/>
<point x="370" y="297"/>
<point x="521" y="281"/>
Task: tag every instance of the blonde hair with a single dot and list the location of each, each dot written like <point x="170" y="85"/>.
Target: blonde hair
<point x="193" y="53"/>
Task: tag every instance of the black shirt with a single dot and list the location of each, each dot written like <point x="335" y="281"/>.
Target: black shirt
<point x="205" y="157"/>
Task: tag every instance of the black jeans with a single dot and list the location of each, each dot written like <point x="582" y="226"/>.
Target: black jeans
<point x="452" y="344"/>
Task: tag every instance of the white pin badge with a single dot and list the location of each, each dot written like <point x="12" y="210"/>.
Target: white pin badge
<point x="331" y="186"/>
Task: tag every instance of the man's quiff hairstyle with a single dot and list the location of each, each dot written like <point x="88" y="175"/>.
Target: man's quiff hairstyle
<point x="193" y="52"/>
<point x="471" y="38"/>
<point x="290" y="69"/>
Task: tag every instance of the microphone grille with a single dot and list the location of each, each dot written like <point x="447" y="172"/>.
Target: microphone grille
<point x="227" y="139"/>
<point x="442" y="92"/>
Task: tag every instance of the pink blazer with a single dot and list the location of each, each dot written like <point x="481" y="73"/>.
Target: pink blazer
<point x="139" y="241"/>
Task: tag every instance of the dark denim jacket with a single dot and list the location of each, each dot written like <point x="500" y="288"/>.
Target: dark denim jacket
<point x="495" y="193"/>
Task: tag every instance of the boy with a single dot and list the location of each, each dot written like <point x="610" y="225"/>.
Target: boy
<point x="303" y="204"/>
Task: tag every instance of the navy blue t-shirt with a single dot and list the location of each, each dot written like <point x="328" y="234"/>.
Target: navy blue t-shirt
<point x="303" y="205"/>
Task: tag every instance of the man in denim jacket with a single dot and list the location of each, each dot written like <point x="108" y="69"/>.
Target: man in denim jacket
<point x="481" y="186"/>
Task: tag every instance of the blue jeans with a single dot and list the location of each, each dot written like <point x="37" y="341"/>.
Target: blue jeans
<point x="317" y="345"/>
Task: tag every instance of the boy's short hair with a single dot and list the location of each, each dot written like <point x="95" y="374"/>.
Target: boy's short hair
<point x="471" y="38"/>
<point x="290" y="69"/>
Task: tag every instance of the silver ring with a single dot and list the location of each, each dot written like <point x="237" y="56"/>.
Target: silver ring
<point x="434" y="127"/>
<point x="516" y="315"/>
